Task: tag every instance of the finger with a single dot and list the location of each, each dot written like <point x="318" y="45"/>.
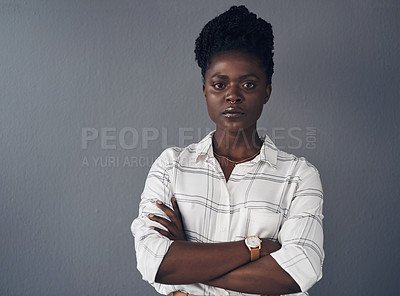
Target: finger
<point x="167" y="210"/>
<point x="162" y="232"/>
<point x="172" y="214"/>
<point x="160" y="220"/>
<point x="175" y="206"/>
<point x="178" y="217"/>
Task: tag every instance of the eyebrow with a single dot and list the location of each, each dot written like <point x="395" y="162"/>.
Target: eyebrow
<point x="241" y="77"/>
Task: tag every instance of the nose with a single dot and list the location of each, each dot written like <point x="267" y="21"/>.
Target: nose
<point x="233" y="96"/>
<point x="234" y="101"/>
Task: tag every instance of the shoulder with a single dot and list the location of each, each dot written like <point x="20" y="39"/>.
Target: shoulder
<point x="299" y="171"/>
<point x="300" y="161"/>
<point x="299" y="166"/>
<point x="306" y="175"/>
<point x="178" y="154"/>
<point x="170" y="154"/>
<point x="174" y="157"/>
<point x="287" y="162"/>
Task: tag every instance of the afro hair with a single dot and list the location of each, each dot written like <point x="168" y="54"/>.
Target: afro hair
<point x="236" y="29"/>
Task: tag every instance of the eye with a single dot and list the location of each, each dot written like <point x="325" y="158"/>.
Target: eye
<point x="249" y="85"/>
<point x="218" y="85"/>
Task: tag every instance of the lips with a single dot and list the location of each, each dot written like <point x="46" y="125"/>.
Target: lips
<point x="233" y="112"/>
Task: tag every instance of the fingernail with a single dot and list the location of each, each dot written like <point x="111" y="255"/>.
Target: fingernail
<point x="159" y="202"/>
<point x="151" y="215"/>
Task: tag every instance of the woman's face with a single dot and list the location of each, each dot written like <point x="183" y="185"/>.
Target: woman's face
<point x="235" y="76"/>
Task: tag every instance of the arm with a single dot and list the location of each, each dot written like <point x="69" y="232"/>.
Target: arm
<point x="263" y="276"/>
<point x="300" y="256"/>
<point x="188" y="262"/>
<point x="191" y="262"/>
<point x="161" y="257"/>
<point x="301" y="235"/>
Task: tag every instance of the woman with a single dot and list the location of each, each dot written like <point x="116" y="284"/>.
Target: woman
<point x="231" y="214"/>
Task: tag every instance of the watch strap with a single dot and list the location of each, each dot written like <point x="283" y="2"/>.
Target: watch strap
<point x="255" y="254"/>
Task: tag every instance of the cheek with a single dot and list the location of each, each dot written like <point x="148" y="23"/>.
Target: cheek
<point x="213" y="101"/>
<point x="257" y="109"/>
<point x="211" y="108"/>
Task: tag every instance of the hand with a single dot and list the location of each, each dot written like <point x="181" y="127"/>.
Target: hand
<point x="174" y="226"/>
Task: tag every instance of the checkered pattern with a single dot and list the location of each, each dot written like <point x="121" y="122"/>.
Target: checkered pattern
<point x="275" y="195"/>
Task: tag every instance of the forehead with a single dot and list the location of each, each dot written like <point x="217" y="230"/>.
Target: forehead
<point x="235" y="62"/>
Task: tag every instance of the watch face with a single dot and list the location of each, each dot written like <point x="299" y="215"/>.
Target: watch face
<point x="253" y="241"/>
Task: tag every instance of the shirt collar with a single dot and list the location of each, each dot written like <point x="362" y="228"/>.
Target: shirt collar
<point x="268" y="152"/>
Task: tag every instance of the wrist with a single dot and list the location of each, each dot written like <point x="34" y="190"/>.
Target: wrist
<point x="253" y="244"/>
<point x="268" y="247"/>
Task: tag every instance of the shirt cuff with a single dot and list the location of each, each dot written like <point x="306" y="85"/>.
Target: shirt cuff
<point x="151" y="249"/>
<point x="294" y="261"/>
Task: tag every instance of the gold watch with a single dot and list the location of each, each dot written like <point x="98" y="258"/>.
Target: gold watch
<point x="254" y="244"/>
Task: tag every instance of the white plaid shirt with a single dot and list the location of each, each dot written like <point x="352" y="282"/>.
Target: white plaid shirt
<point x="275" y="195"/>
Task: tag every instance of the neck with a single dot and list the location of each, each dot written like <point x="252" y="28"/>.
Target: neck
<point x="236" y="145"/>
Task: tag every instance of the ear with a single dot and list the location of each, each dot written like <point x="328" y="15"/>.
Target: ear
<point x="268" y="91"/>
<point x="204" y="91"/>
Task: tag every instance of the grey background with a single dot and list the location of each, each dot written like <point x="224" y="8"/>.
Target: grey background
<point x="70" y="65"/>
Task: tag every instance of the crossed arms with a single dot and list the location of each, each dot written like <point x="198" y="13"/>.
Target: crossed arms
<point x="165" y="258"/>
<point x="223" y="265"/>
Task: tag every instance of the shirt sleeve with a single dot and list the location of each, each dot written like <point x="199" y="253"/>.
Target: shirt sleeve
<point x="301" y="235"/>
<point x="150" y="246"/>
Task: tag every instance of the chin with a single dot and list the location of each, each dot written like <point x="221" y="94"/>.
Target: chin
<point x="235" y="127"/>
